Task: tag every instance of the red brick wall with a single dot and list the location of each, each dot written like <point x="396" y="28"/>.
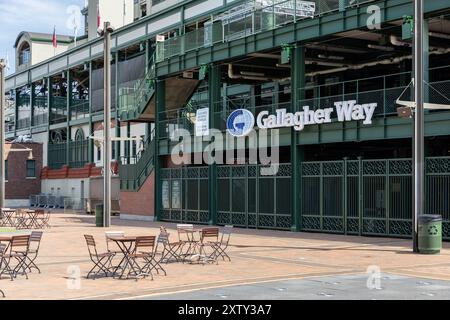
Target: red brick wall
<point x="139" y="203"/>
<point x="17" y="185"/>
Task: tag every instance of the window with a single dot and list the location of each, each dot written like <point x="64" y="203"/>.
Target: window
<point x="25" y="54"/>
<point x="6" y="169"/>
<point x="31" y="169"/>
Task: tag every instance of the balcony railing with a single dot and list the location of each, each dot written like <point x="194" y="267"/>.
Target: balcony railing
<point x="383" y="90"/>
<point x="57" y="155"/>
<point x="79" y="110"/>
<point x="79" y="154"/>
<point x="58" y="111"/>
<point x="243" y="20"/>
<point x="40" y="119"/>
<point x="24" y="123"/>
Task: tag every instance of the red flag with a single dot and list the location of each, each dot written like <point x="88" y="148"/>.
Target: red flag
<point x="54" y="40"/>
<point x="99" y="19"/>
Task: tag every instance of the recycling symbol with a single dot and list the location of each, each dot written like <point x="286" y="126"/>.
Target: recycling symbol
<point x="432" y="230"/>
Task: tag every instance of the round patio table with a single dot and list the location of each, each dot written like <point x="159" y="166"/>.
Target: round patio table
<point x="126" y="246"/>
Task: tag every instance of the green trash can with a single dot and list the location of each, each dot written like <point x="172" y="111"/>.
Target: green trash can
<point x="99" y="215"/>
<point x="430" y="234"/>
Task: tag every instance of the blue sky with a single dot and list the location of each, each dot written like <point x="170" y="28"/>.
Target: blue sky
<point x="32" y="15"/>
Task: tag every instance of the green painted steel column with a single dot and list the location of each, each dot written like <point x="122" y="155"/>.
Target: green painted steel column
<point x="91" y="125"/>
<point x="128" y="144"/>
<point x="32" y="103"/>
<point x="69" y="99"/>
<point x="297" y="154"/>
<point x="117" y="122"/>
<point x="160" y="106"/>
<point x="214" y="99"/>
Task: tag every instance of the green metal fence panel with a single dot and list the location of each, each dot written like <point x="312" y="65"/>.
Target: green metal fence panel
<point x="246" y="199"/>
<point x="370" y="197"/>
<point x="57" y="155"/>
<point x="78" y="153"/>
<point x="437" y="187"/>
<point x="185" y="195"/>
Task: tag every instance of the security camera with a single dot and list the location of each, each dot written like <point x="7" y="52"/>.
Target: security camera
<point x="2" y="64"/>
<point x="101" y="31"/>
<point x="405" y="112"/>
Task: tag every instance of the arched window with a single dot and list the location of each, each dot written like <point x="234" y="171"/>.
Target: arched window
<point x="24" y="54"/>
<point x="79" y="135"/>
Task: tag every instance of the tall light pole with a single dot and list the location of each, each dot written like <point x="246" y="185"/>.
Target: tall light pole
<point x="419" y="123"/>
<point x="2" y="133"/>
<point x="107" y="30"/>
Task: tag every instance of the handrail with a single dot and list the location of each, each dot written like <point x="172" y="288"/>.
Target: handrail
<point x="141" y="168"/>
<point x="132" y="99"/>
<point x="216" y="32"/>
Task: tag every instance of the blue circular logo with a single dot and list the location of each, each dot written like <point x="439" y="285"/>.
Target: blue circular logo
<point x="240" y="122"/>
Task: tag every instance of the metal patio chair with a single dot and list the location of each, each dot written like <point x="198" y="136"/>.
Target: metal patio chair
<point x="208" y="239"/>
<point x="142" y="258"/>
<point x="170" y="249"/>
<point x="18" y="251"/>
<point x="38" y="222"/>
<point x="4" y="266"/>
<point x="222" y="245"/>
<point x="46" y="221"/>
<point x="101" y="261"/>
<point x="33" y="250"/>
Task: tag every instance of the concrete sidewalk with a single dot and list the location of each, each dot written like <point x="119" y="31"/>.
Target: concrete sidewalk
<point x="257" y="256"/>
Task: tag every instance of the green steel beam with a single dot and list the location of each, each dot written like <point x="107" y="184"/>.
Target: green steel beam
<point x="303" y="30"/>
<point x="298" y="70"/>
<point x="214" y="91"/>
<point x="91" y="125"/>
<point x="32" y="102"/>
<point x="69" y="98"/>
<point x="160" y="105"/>
<point x="117" y="122"/>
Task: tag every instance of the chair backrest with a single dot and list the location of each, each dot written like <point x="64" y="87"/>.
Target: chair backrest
<point x="90" y="241"/>
<point x="163" y="237"/>
<point x="147" y="243"/>
<point x="35" y="239"/>
<point x="210" y="233"/>
<point x="182" y="230"/>
<point x="20" y="243"/>
<point x="226" y="234"/>
<point x="36" y="236"/>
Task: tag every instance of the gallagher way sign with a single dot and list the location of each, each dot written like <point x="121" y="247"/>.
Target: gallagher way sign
<point x="241" y="121"/>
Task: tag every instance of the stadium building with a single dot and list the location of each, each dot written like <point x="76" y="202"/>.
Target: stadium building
<point x="326" y="76"/>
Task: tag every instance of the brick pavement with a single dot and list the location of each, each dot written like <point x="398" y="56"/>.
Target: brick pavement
<point x="257" y="256"/>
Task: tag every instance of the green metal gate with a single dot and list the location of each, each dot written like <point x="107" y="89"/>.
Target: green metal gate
<point x="185" y="195"/>
<point x="370" y="197"/>
<point x="246" y="196"/>
<point x="249" y="197"/>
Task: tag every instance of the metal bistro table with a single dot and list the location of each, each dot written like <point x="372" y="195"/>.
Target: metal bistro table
<point x="126" y="246"/>
<point x="193" y="254"/>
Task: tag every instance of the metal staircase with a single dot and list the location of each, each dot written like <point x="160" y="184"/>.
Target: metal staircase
<point x="134" y="101"/>
<point x="135" y="170"/>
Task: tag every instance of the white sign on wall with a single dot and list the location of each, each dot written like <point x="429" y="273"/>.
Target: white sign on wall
<point x="345" y="111"/>
<point x="238" y="124"/>
<point x="202" y="122"/>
